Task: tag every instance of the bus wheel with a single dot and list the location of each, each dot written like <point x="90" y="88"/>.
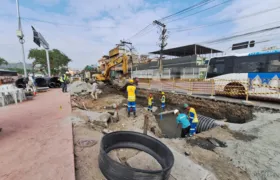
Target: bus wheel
<point x="234" y="90"/>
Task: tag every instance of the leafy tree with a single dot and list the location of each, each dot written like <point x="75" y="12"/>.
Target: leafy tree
<point x="19" y="70"/>
<point x="58" y="60"/>
<point x="3" y="61"/>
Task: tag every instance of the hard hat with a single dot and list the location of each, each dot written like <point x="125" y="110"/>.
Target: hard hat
<point x="176" y="111"/>
<point x="131" y="81"/>
<point x="162" y="92"/>
<point x="186" y="105"/>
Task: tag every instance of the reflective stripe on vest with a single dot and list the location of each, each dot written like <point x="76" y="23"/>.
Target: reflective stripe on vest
<point x="131" y="93"/>
<point x="163" y="99"/>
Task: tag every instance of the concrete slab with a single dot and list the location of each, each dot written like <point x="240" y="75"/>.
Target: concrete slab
<point x="144" y="161"/>
<point x="185" y="168"/>
<point x="36" y="142"/>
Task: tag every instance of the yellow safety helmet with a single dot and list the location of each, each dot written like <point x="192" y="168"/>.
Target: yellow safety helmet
<point x="162" y="93"/>
<point x="131" y="81"/>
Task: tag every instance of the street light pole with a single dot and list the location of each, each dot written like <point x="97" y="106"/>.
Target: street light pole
<point x="20" y="36"/>
<point x="48" y="62"/>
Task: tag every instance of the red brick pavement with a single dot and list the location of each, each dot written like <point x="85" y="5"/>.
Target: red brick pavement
<point x="36" y="142"/>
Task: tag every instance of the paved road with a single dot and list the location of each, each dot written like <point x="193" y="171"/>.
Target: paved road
<point x="36" y="141"/>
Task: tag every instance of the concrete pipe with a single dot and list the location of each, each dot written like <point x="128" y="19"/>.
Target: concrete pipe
<point x="54" y="82"/>
<point x="205" y="123"/>
<point x="41" y="82"/>
<point x="21" y="83"/>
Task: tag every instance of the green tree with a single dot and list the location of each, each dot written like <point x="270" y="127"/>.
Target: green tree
<point x="3" y="61"/>
<point x="20" y="71"/>
<point x="58" y="60"/>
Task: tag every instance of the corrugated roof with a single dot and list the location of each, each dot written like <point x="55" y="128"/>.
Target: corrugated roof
<point x="187" y="50"/>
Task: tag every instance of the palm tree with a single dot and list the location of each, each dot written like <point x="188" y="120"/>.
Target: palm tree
<point x="3" y="61"/>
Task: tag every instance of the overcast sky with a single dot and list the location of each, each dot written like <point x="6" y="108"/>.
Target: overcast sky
<point x="87" y="29"/>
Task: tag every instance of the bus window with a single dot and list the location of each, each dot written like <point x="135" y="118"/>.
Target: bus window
<point x="274" y="63"/>
<point x="250" y="64"/>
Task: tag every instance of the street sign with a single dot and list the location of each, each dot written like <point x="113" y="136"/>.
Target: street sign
<point x="39" y="39"/>
<point x="36" y="38"/>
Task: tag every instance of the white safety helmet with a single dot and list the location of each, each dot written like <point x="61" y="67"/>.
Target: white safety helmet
<point x="176" y="111"/>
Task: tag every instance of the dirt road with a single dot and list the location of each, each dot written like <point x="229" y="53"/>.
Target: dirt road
<point x="36" y="141"/>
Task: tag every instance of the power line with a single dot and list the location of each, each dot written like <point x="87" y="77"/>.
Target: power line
<point x="224" y="21"/>
<point x="204" y="2"/>
<point x="141" y="31"/>
<point x="245" y="34"/>
<point x="199" y="11"/>
<point x="148" y="28"/>
<point x="63" y="24"/>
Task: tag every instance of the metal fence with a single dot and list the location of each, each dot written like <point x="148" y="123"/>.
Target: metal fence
<point x="235" y="88"/>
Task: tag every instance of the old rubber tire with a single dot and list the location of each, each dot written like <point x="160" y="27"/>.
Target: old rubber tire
<point x="113" y="170"/>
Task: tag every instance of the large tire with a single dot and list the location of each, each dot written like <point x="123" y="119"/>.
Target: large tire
<point x="113" y="170"/>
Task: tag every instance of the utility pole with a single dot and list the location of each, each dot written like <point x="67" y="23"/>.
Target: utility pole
<point x="20" y="36"/>
<point x="162" y="45"/>
<point x="130" y="47"/>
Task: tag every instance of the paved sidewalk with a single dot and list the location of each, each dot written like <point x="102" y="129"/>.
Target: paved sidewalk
<point x="36" y="142"/>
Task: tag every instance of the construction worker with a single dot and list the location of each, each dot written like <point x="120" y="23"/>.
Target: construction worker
<point x="94" y="90"/>
<point x="162" y="101"/>
<point x="182" y="119"/>
<point x="192" y="117"/>
<point x="131" y="98"/>
<point x="63" y="79"/>
<point x="150" y="103"/>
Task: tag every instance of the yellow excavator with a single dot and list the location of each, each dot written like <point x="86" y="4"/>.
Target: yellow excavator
<point x="115" y="59"/>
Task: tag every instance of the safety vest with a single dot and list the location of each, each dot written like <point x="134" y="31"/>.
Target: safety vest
<point x="193" y="115"/>
<point x="150" y="101"/>
<point x="131" y="93"/>
<point x="63" y="78"/>
<point x="163" y="98"/>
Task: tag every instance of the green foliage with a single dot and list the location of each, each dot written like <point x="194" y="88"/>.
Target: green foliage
<point x="58" y="60"/>
<point x="19" y="70"/>
<point x="3" y="61"/>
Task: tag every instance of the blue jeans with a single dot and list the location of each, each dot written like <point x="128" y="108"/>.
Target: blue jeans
<point x="131" y="106"/>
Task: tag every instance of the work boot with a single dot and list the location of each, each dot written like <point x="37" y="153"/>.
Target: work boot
<point x="134" y="114"/>
<point x="128" y="114"/>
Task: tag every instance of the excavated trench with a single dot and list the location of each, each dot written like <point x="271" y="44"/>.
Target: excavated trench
<point x="208" y="113"/>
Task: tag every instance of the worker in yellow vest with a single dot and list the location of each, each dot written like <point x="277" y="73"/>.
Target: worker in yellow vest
<point x="150" y="103"/>
<point x="192" y="118"/>
<point x="163" y="101"/>
<point x="131" y="98"/>
<point x="64" y="79"/>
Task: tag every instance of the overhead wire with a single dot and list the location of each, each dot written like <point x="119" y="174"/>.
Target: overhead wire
<point x="199" y="11"/>
<point x="201" y="3"/>
<point x="64" y="24"/>
<point x="141" y="31"/>
<point x="224" y="21"/>
<point x="147" y="29"/>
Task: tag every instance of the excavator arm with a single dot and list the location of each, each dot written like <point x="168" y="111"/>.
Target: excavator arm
<point x="116" y="61"/>
<point x="112" y="63"/>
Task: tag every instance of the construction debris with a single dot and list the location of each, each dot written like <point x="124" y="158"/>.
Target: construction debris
<point x="86" y="142"/>
<point x="79" y="87"/>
